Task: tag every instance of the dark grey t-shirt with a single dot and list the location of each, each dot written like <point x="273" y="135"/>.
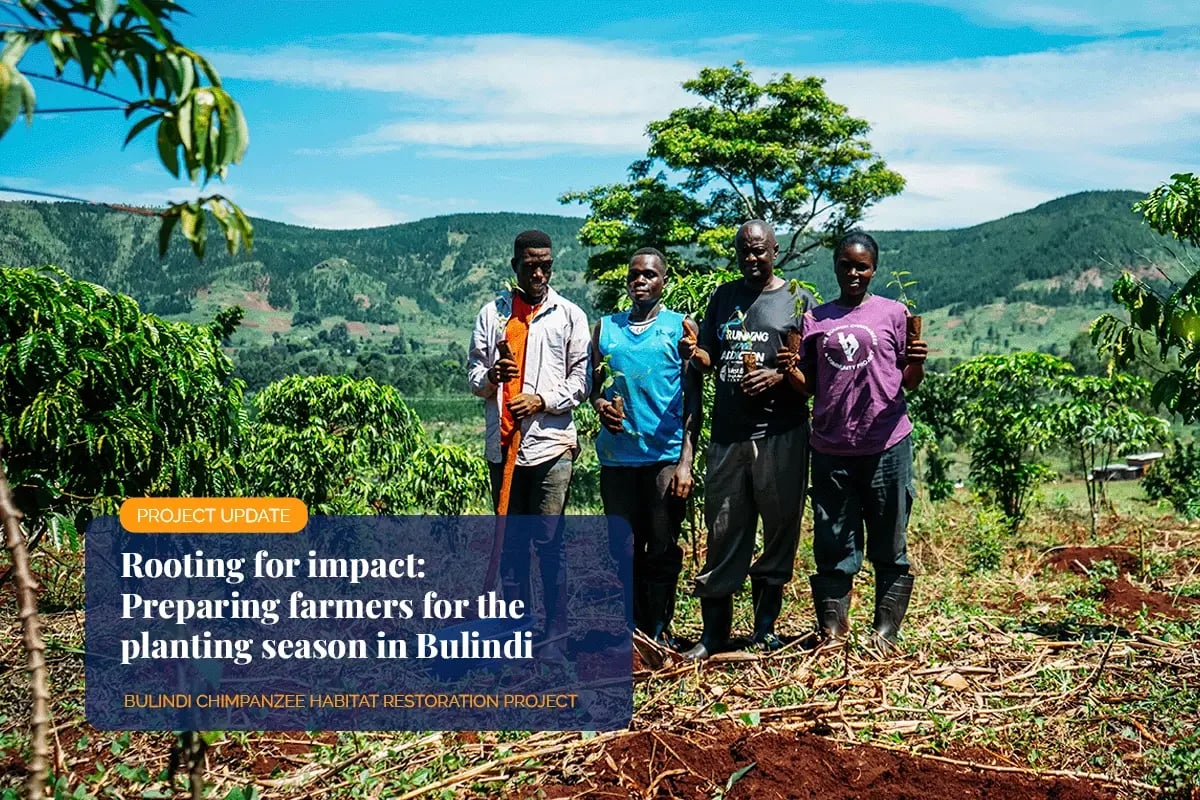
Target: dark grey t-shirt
<point x="742" y="319"/>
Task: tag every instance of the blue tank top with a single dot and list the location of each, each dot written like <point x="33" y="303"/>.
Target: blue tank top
<point x="647" y="372"/>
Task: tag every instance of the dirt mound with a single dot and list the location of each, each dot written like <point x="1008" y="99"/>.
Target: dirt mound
<point x="1122" y="598"/>
<point x="1081" y="559"/>
<point x="654" y="764"/>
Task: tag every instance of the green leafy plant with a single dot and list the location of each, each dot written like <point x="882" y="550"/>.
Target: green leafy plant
<point x="1173" y="317"/>
<point x="199" y="128"/>
<point x="1177" y="769"/>
<point x="443" y="479"/>
<point x="902" y="281"/>
<point x="986" y="541"/>
<point x="736" y="776"/>
<point x="1097" y="419"/>
<point x="1176" y="478"/>
<point x="338" y="444"/>
<point x="102" y="402"/>
<point x="1008" y="407"/>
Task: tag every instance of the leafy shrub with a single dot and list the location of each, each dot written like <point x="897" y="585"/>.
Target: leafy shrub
<point x="336" y="443"/>
<point x="443" y="479"/>
<point x="100" y="401"/>
<point x="1177" y="478"/>
<point x="985" y="541"/>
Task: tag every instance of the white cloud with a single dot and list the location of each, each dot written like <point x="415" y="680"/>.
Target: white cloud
<point x="1095" y="17"/>
<point x="1121" y="94"/>
<point x="951" y="196"/>
<point x="976" y="138"/>
<point x="981" y="137"/>
<point x="491" y="92"/>
<point x="346" y="209"/>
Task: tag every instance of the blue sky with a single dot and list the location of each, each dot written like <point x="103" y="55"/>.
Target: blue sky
<point x="369" y="113"/>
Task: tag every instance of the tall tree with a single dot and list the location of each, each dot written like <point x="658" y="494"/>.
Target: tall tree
<point x="1172" y="315"/>
<point x="199" y="128"/>
<point x="781" y="151"/>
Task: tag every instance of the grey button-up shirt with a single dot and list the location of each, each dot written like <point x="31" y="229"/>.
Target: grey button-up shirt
<point x="556" y="368"/>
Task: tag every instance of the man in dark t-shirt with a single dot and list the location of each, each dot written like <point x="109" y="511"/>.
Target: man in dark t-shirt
<point x="758" y="458"/>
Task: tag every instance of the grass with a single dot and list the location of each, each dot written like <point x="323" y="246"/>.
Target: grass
<point x="1018" y="665"/>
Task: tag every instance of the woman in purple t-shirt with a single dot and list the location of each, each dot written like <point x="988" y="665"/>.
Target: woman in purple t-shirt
<point x="856" y="363"/>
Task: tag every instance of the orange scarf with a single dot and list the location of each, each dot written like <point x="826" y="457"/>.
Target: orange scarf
<point x="516" y="332"/>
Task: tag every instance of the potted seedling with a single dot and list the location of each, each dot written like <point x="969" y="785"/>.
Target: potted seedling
<point x="902" y="280"/>
<point x="610" y="377"/>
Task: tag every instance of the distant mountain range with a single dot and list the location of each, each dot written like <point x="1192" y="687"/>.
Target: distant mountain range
<point x="1064" y="252"/>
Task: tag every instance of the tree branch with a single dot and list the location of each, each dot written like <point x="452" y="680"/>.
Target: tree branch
<point x="77" y="110"/>
<point x="141" y="212"/>
<point x="76" y="85"/>
<point x="750" y="209"/>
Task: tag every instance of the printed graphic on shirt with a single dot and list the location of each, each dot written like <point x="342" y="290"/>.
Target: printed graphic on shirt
<point x="850" y="347"/>
<point x="738" y="340"/>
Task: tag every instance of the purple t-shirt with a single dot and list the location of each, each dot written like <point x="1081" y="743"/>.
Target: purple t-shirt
<point x="854" y="361"/>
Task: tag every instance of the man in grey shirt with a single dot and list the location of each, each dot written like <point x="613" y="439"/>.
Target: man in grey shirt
<point x="758" y="458"/>
<point x="529" y="362"/>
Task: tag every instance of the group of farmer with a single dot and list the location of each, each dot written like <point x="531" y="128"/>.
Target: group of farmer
<point x="770" y="348"/>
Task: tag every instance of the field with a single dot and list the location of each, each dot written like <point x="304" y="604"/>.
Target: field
<point x="1045" y="665"/>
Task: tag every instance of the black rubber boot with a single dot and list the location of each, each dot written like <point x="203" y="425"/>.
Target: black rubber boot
<point x="717" y="613"/>
<point x="553" y="647"/>
<point x="768" y="602"/>
<point x="659" y="600"/>
<point x="639" y="606"/>
<point x="892" y="591"/>
<point x="831" y="597"/>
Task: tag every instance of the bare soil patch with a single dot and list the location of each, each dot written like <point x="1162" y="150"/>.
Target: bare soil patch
<point x="1121" y="597"/>
<point x="657" y="764"/>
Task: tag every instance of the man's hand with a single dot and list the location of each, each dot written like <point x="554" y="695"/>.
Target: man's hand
<point x="525" y="405"/>
<point x="688" y="342"/>
<point x="503" y="371"/>
<point x="611" y="417"/>
<point x="681" y="481"/>
<point x="786" y="359"/>
<point x="917" y="351"/>
<point x="761" y="379"/>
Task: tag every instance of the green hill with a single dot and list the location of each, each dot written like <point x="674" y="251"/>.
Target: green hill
<point x="401" y="299"/>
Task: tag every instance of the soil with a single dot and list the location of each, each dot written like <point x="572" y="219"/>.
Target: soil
<point x="1081" y="559"/>
<point x="654" y="764"/>
<point x="1122" y="598"/>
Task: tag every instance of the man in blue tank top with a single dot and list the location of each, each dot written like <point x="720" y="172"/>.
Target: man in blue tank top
<point x="648" y="400"/>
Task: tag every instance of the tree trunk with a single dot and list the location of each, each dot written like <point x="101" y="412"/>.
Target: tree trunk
<point x="26" y="587"/>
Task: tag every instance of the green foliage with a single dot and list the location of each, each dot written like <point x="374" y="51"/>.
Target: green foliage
<point x="625" y="217"/>
<point x="1173" y="317"/>
<point x="933" y="408"/>
<point x="1097" y="420"/>
<point x="1177" y="769"/>
<point x="901" y="280"/>
<point x="347" y="446"/>
<point x="338" y="444"/>
<point x="443" y="479"/>
<point x="99" y="401"/>
<point x="199" y="127"/>
<point x="986" y="541"/>
<point x="781" y="151"/>
<point x="1008" y="408"/>
<point x="1174" y="208"/>
<point x="1177" y="478"/>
